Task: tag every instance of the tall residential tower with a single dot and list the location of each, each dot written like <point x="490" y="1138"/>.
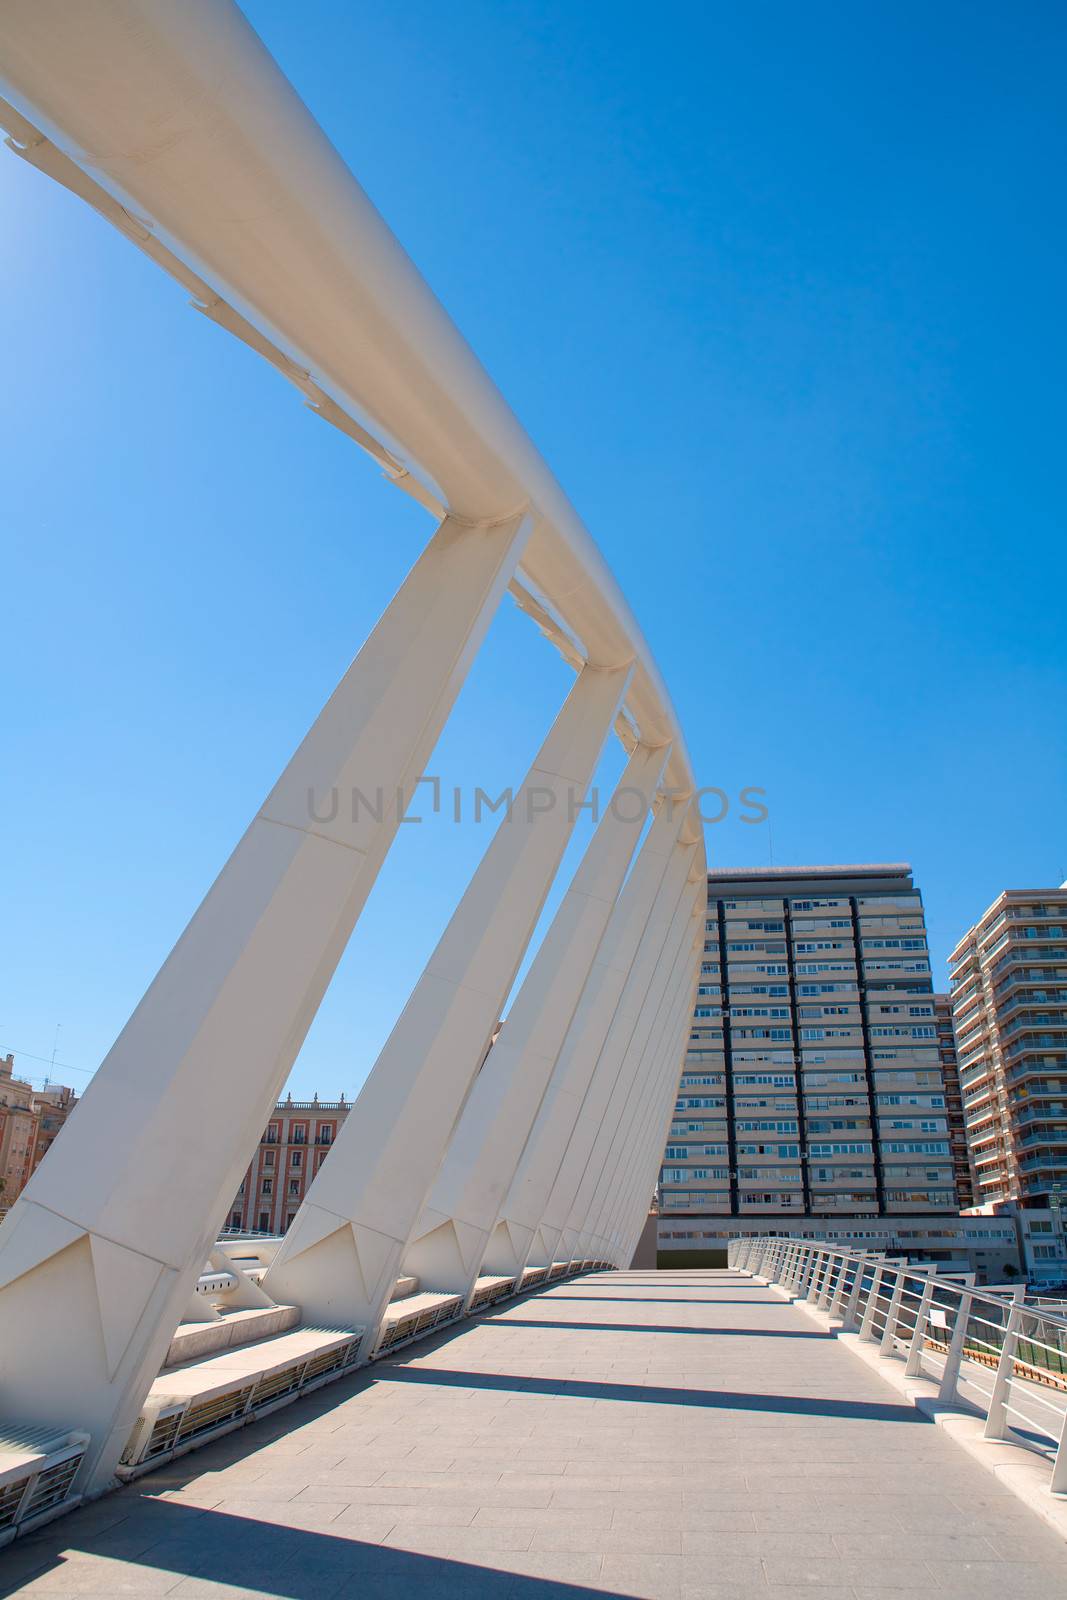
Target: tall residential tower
<point x="1009" y="1001"/>
<point x="813" y="1084"/>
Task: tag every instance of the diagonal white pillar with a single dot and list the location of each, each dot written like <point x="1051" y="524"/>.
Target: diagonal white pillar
<point x="633" y="1179"/>
<point x="655" y="1067"/>
<point x="640" y="1159"/>
<point x="631" y="1208"/>
<point x="340" y="1259"/>
<point x="118" y="1221"/>
<point x="467" y="1193"/>
<point x="586" y="1207"/>
<point x="647" y="1080"/>
<point x="623" y="1043"/>
<point x="525" y="1204"/>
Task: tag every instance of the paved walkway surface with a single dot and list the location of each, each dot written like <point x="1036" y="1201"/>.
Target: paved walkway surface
<point x="679" y="1435"/>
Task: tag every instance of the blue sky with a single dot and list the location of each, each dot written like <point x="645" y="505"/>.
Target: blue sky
<point x="777" y="290"/>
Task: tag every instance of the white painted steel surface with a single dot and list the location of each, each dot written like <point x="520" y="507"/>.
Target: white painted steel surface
<point x="177" y="126"/>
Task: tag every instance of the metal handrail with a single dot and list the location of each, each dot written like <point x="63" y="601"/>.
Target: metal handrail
<point x="946" y="1330"/>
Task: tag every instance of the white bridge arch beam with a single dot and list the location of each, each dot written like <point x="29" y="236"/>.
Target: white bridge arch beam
<point x="340" y="1258"/>
<point x="627" y="1215"/>
<point x="556" y="1237"/>
<point x="114" y="1227"/>
<point x="619" y="1059"/>
<point x="622" y="1164"/>
<point x="447" y="1247"/>
<point x="660" y="1130"/>
<point x="524" y="1208"/>
<point x="174" y="123"/>
<point x="630" y="1174"/>
<point x="658" y="1138"/>
<point x="657" y="1078"/>
<point x="649" y="1023"/>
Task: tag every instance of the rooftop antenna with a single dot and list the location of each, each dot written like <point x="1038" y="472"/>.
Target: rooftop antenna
<point x="52" y="1063"/>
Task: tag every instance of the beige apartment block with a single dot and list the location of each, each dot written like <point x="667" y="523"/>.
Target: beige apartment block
<point x="957" y="1126"/>
<point x="813" y="1081"/>
<point x="1009" y="1005"/>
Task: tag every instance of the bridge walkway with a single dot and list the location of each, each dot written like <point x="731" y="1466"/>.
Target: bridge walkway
<point x="676" y="1435"/>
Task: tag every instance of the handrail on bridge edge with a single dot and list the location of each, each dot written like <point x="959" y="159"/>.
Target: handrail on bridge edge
<point x="988" y="1353"/>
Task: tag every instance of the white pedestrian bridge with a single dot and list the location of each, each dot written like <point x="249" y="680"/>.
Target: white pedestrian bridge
<point x="479" y="1157"/>
<point x="442" y="1374"/>
<point x="673" y="1435"/>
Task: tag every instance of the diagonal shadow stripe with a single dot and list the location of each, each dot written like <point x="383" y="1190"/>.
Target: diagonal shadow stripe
<point x="219" y="1550"/>
<point x="506" y="1321"/>
<point x="709" y="1399"/>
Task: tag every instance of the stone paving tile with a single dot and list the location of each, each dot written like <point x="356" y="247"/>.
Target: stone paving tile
<point x="555" y="1450"/>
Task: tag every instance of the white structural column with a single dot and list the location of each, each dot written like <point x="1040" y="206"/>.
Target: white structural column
<point x="632" y="1210"/>
<point x="661" y="1128"/>
<point x="339" y="1260"/>
<point x="448" y="1244"/>
<point x="620" y="1165"/>
<point x="641" y="1157"/>
<point x="623" y="1043"/>
<point x="603" y="1028"/>
<point x="630" y="1177"/>
<point x="600" y="1167"/>
<point x="99" y="1256"/>
<point x="634" y="1089"/>
<point x="525" y="1205"/>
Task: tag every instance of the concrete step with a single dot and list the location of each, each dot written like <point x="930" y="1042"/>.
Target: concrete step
<point x="195" y="1339"/>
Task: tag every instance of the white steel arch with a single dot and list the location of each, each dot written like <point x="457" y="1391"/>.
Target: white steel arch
<point x="174" y="122"/>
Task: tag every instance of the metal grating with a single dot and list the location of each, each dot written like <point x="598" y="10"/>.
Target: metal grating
<point x="213" y="1413"/>
<point x="53" y="1485"/>
<point x="11" y="1498"/>
<point x="164" y="1435"/>
<point x="276" y="1384"/>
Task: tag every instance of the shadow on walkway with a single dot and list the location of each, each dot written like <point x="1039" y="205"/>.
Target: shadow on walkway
<point x="653" y="1394"/>
<point x="292" y="1563"/>
<point x="504" y="1321"/>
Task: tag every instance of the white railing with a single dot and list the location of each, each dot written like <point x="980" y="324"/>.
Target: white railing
<point x="473" y="1152"/>
<point x="985" y="1349"/>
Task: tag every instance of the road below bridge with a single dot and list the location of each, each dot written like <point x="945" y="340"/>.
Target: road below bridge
<point x="685" y="1435"/>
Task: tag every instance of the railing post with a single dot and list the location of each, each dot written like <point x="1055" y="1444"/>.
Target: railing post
<point x="913" y="1365"/>
<point x="996" y="1422"/>
<point x="850" y="1259"/>
<point x="1059" y="1463"/>
<point x="807" y="1275"/>
<point x="819" y="1268"/>
<point x="890" y="1329"/>
<point x="848" y="1317"/>
<point x="954" y="1355"/>
<point x="873" y="1296"/>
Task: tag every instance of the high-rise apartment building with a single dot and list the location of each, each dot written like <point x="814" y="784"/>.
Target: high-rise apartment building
<point x="957" y="1127"/>
<point x="813" y="1084"/>
<point x="1009" y="1001"/>
<point x="295" y="1143"/>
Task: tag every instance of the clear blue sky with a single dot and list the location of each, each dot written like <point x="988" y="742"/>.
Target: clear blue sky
<point x="778" y="292"/>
